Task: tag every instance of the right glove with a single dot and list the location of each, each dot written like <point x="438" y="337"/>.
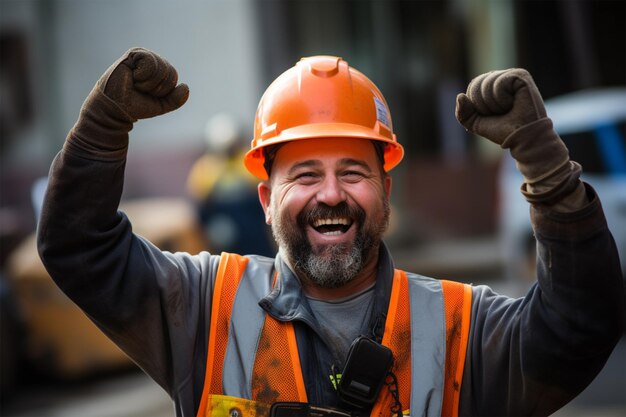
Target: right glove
<point x="506" y="108"/>
<point x="141" y="84"/>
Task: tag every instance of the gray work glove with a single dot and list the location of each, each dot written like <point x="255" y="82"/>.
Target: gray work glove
<point x="141" y="84"/>
<point x="506" y="108"/>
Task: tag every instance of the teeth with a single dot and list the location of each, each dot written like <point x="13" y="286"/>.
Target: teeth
<point x="336" y="233"/>
<point x="342" y="221"/>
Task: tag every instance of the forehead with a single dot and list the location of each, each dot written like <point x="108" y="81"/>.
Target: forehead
<point x="326" y="151"/>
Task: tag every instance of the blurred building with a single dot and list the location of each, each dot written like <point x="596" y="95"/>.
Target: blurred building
<point x="420" y="53"/>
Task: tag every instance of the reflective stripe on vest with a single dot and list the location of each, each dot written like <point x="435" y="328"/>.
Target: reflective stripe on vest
<point x="242" y="362"/>
<point x="438" y="343"/>
<point x="229" y="271"/>
<point x="458" y="302"/>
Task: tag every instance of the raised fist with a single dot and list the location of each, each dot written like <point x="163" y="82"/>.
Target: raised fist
<point x="139" y="85"/>
<point x="498" y="103"/>
<point x="143" y="84"/>
<point x="506" y="108"/>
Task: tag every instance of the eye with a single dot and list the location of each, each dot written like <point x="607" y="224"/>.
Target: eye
<point x="306" y="177"/>
<point x="352" y="176"/>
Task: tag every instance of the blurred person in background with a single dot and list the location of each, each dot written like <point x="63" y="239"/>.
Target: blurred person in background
<point x="328" y="325"/>
<point x="225" y="193"/>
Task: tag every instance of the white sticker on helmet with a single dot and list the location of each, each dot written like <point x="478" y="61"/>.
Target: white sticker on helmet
<point x="382" y="115"/>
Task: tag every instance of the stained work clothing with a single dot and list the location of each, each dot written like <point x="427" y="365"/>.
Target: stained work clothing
<point x="526" y="356"/>
<point x="269" y="343"/>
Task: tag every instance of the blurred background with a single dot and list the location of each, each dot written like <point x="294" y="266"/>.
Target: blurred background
<point x="457" y="212"/>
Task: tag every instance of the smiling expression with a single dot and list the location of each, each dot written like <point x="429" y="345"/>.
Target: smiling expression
<point x="328" y="204"/>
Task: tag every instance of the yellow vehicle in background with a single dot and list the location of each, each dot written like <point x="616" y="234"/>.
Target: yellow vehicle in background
<point x="57" y="337"/>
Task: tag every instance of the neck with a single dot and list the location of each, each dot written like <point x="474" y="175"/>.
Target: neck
<point x="362" y="281"/>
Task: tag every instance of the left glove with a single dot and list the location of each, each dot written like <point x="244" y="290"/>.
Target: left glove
<point x="506" y="108"/>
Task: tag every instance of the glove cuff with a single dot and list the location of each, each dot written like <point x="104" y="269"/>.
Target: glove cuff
<point x="569" y="182"/>
<point x="102" y="128"/>
<point x="538" y="149"/>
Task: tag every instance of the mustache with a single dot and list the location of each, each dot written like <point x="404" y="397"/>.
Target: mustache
<point x="324" y="211"/>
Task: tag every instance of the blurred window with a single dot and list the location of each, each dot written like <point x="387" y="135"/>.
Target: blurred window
<point x="595" y="154"/>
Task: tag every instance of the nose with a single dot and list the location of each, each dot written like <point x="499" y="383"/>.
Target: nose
<point x="331" y="192"/>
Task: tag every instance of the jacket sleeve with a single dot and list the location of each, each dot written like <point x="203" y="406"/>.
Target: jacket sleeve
<point x="155" y="305"/>
<point x="532" y="355"/>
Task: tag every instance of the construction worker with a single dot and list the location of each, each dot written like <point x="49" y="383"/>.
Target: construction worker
<point x="224" y="193"/>
<point x="329" y="327"/>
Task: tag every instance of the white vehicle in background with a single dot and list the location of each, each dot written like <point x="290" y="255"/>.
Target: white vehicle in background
<point x="592" y="123"/>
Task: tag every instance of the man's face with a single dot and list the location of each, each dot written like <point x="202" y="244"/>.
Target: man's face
<point x="328" y="204"/>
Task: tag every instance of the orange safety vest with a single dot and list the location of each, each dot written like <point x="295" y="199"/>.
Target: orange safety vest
<point x="277" y="375"/>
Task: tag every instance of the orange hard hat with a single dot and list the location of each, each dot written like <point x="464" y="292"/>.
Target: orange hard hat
<point x="321" y="97"/>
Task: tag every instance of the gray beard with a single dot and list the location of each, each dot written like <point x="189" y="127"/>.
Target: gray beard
<point x="333" y="266"/>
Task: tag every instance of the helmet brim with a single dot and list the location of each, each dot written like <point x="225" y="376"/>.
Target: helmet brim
<point x="254" y="159"/>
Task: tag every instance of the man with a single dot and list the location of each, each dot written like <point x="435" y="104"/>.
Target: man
<point x="329" y="324"/>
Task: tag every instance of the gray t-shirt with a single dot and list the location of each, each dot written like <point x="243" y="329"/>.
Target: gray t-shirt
<point x="343" y="320"/>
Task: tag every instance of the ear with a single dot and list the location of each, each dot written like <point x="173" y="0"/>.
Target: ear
<point x="387" y="185"/>
<point x="265" y="193"/>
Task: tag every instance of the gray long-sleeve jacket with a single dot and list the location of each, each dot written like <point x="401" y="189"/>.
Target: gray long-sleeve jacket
<point x="525" y="356"/>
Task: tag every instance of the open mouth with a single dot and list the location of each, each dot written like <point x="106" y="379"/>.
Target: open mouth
<point x="332" y="227"/>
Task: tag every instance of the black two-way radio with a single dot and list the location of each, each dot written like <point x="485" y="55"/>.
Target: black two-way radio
<point x="365" y="372"/>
